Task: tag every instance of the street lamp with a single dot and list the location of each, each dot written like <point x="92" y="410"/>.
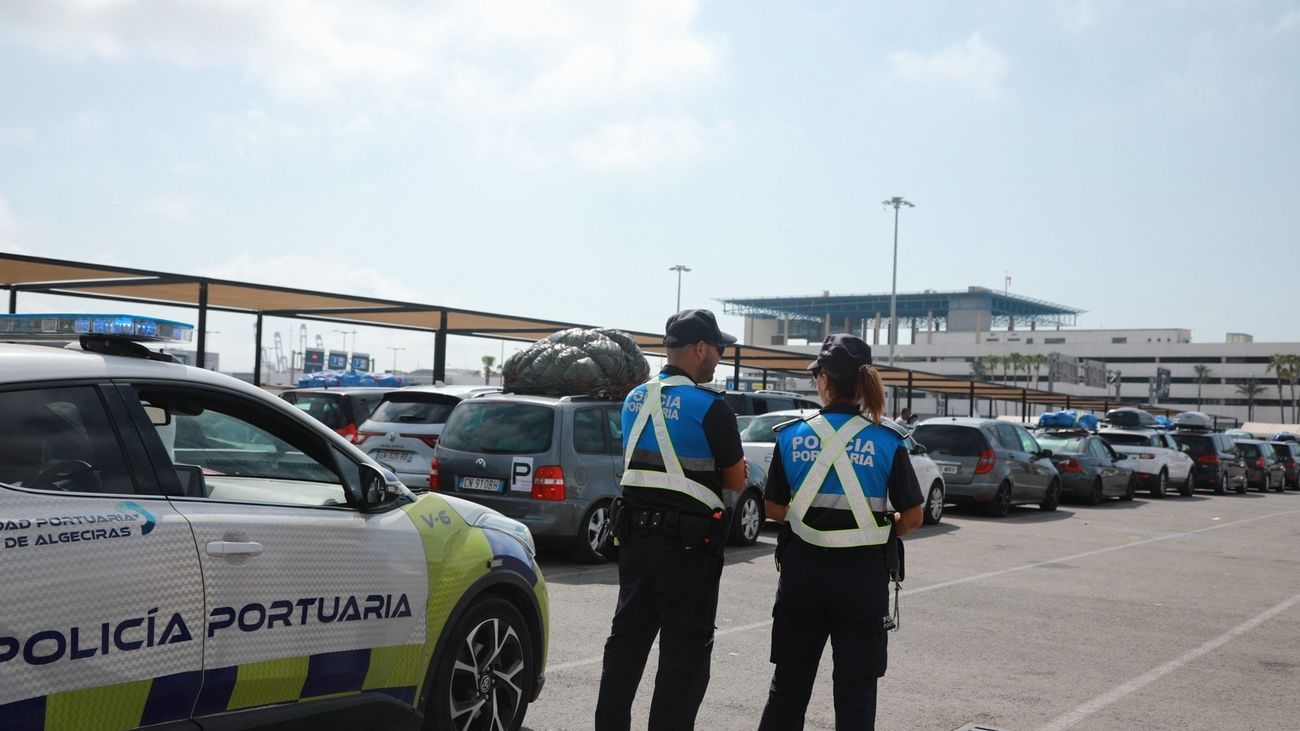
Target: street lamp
<point x="897" y="202"/>
<point x="394" y="356"/>
<point x="679" y="269"/>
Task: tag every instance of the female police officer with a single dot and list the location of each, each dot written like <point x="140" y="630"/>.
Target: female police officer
<point x="830" y="478"/>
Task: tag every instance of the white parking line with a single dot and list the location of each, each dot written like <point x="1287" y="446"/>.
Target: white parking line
<point x="1151" y="676"/>
<point x="560" y="667"/>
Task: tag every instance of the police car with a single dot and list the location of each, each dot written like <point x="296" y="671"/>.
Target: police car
<point x="178" y="547"/>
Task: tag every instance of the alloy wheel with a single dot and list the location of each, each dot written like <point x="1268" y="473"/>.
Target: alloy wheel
<point x="750" y="519"/>
<point x="487" y="679"/>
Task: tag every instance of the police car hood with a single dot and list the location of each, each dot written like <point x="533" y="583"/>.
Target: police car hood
<point x="468" y="511"/>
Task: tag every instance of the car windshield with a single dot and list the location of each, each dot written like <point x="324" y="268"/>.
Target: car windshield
<point x="499" y="427"/>
<point x="1061" y="445"/>
<point x="415" y="408"/>
<point x="957" y="441"/>
<point x="1129" y="440"/>
<point x="759" y="428"/>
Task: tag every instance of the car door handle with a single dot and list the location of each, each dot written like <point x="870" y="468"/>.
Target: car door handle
<point x="234" y="548"/>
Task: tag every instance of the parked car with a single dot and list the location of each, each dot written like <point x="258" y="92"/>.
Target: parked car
<point x="341" y="409"/>
<point x="1157" y="459"/>
<point x="1264" y="471"/>
<point x="1090" y="468"/>
<point x="1216" y="466"/>
<point x="991" y="463"/>
<point x="750" y="403"/>
<point x="1289" y="454"/>
<point x="554" y="463"/>
<point x="404" y="428"/>
<point x="758" y="438"/>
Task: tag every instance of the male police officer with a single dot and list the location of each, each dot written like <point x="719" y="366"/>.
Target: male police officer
<point x="681" y="447"/>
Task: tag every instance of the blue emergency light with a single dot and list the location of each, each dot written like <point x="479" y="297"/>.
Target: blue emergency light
<point x="63" y="326"/>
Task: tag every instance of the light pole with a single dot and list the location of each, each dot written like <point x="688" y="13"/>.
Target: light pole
<point x="897" y="202"/>
<point x="679" y="269"/>
<point x="394" y="356"/>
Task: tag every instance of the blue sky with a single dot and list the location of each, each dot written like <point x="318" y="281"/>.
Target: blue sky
<point x="1137" y="160"/>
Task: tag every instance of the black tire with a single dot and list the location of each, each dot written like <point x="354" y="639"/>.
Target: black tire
<point x="584" y="544"/>
<point x="1095" y="493"/>
<point x="747" y="519"/>
<point x="1131" y="488"/>
<point x="934" y="504"/>
<point x="1188" y="488"/>
<point x="1000" y="505"/>
<point x="1221" y="487"/>
<point x="1161" y="488"/>
<point x="486" y="669"/>
<point x="1051" y="498"/>
<point x="1241" y="489"/>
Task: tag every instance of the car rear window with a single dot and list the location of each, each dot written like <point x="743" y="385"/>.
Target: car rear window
<point x="323" y="407"/>
<point x="1248" y="450"/>
<point x="1060" y="445"/>
<point x="1127" y="440"/>
<point x="415" y="408"/>
<point x="958" y="441"/>
<point x="497" y="427"/>
<point x="1197" y="444"/>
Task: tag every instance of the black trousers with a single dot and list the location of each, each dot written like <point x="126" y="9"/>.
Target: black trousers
<point x="842" y="594"/>
<point x="667" y="590"/>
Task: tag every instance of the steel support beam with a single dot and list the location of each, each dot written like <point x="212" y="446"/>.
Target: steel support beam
<point x="440" y="350"/>
<point x="257" y="354"/>
<point x="200" y="357"/>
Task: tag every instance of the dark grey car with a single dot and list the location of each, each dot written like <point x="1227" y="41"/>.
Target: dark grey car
<point x="553" y="463"/>
<point x="1090" y="469"/>
<point x="990" y="463"/>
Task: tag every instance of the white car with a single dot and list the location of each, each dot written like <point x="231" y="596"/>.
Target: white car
<point x="403" y="429"/>
<point x="1156" y="459"/>
<point x="758" y="439"/>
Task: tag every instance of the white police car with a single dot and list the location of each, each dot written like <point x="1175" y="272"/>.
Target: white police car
<point x="179" y="547"/>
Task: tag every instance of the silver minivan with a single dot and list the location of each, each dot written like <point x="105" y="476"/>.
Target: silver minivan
<point x="991" y="463"/>
<point x="554" y="463"/>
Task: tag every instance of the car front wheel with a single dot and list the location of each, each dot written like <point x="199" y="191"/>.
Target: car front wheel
<point x="747" y="520"/>
<point x="934" y="504"/>
<point x="483" y="680"/>
<point x="1052" y="498"/>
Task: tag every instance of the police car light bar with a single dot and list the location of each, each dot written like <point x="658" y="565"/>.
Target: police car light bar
<point x="62" y="326"/>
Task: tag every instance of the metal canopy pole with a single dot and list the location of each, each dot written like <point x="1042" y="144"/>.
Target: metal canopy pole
<point x="13" y="300"/>
<point x="257" y="354"/>
<point x="909" y="391"/>
<point x="440" y="350"/>
<point x="735" y="373"/>
<point x="1067" y="402"/>
<point x="972" y="398"/>
<point x="1024" y="404"/>
<point x="764" y="379"/>
<point x="200" y="358"/>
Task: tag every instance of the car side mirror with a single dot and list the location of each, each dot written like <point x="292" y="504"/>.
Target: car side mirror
<point x="158" y="415"/>
<point x="1119" y="457"/>
<point x="376" y="490"/>
<point x="1044" y="453"/>
<point x="919" y="449"/>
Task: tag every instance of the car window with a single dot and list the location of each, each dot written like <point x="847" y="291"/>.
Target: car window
<point x="1266" y="449"/>
<point x="1061" y="444"/>
<point x="775" y="403"/>
<point x="1127" y="440"/>
<point x="1196" y="445"/>
<point x="1249" y="451"/>
<point x="957" y="441"/>
<point x="614" y="423"/>
<point x="363" y="405"/>
<point x="323" y="407"/>
<point x="1099" y="450"/>
<point x="499" y="427"/>
<point x="229" y="448"/>
<point x="60" y="439"/>
<point x="590" y="429"/>
<point x="414" y="408"/>
<point x="1027" y="441"/>
<point x="759" y="429"/>
<point x="1007" y="437"/>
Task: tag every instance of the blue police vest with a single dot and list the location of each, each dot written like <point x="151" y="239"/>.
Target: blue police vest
<point x="863" y="458"/>
<point x="669" y="431"/>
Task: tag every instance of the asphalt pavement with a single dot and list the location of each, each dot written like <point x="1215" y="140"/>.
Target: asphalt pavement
<point x="1182" y="613"/>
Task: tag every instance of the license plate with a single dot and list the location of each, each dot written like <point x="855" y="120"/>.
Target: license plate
<point x="392" y="455"/>
<point x="481" y="484"/>
<point x="948" y="469"/>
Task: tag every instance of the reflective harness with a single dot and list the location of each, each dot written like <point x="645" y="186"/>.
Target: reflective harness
<point x="834" y="455"/>
<point x="674" y="477"/>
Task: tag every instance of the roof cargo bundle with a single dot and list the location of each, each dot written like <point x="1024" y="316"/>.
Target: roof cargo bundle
<point x="1068" y="419"/>
<point x="578" y="362"/>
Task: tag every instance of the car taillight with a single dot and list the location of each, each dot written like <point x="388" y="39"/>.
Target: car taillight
<point x="429" y="439"/>
<point x="1070" y="465"/>
<point x="548" y="483"/>
<point x="349" y="432"/>
<point x="986" y="461"/>
<point x="362" y="436"/>
<point x="1210" y="459"/>
<point x="433" y="475"/>
<point x="1260" y="463"/>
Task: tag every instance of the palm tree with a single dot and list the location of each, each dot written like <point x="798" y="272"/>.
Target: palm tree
<point x="1202" y="374"/>
<point x="979" y="368"/>
<point x="1250" y="388"/>
<point x="1280" y="365"/>
<point x="1016" y="361"/>
<point x="1038" y="361"/>
<point x="488" y="362"/>
<point x="1295" y="376"/>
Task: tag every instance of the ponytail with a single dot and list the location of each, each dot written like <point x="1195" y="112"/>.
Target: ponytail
<point x="866" y="387"/>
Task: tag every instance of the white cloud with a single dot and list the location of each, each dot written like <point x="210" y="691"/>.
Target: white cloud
<point x="9" y="229"/>
<point x="171" y="208"/>
<point x="972" y="64"/>
<point x="639" y="145"/>
<point x="1288" y="22"/>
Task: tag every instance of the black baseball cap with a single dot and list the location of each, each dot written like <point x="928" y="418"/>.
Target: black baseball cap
<point x="694" y="326"/>
<point x="842" y="353"/>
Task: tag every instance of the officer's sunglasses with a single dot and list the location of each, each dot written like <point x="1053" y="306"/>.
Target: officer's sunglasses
<point x="722" y="349"/>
